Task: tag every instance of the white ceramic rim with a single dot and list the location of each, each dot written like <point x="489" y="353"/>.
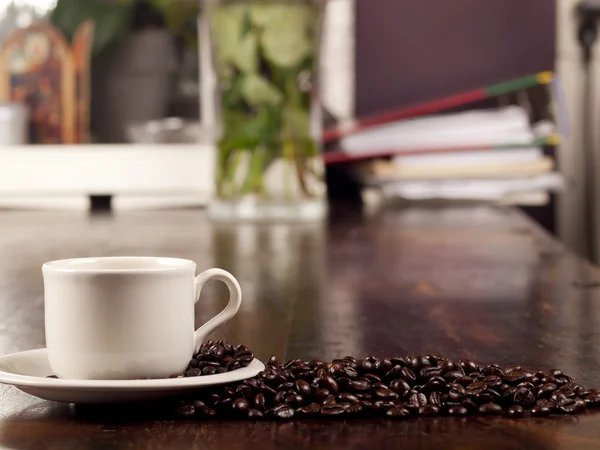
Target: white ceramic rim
<point x="78" y="265"/>
<point x="253" y="369"/>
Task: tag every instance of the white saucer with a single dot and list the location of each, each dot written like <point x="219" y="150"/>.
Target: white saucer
<point x="28" y="370"/>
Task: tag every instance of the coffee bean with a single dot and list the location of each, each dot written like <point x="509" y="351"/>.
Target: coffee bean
<point x="294" y="400"/>
<point x="546" y="389"/>
<point x="382" y="386"/>
<point x="418" y="399"/>
<point x="255" y="414"/>
<point x="360" y="385"/>
<point x="347" y="397"/>
<point x="428" y="372"/>
<point x="453" y="376"/>
<point x="332" y="410"/>
<point x="435" y="399"/>
<point x="397" y="412"/>
<point x="592" y="399"/>
<point x="329" y="400"/>
<point x="385" y="393"/>
<point x="399" y="385"/>
<point x="241" y="405"/>
<point x="428" y="410"/>
<point x="523" y="397"/>
<point x="303" y="387"/>
<point x="309" y="410"/>
<point x="492" y="381"/>
<point x="354" y="409"/>
<point x="185" y="410"/>
<point x="408" y="374"/>
<point x="516" y="411"/>
<point x="468" y="366"/>
<point x="490" y="408"/>
<point x="540" y="411"/>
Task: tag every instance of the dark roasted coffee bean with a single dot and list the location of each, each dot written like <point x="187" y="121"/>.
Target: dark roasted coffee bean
<point x="399" y="385"/>
<point x="349" y="372"/>
<point x="294" y="400"/>
<point x="493" y="369"/>
<point x="309" y="410"/>
<point x="383" y="366"/>
<point x="408" y="375"/>
<point x="209" y="370"/>
<point x="244" y="390"/>
<point x="457" y="411"/>
<point x="429" y="372"/>
<point x="468" y="366"/>
<point x="516" y="411"/>
<point x="360" y="385"/>
<point x="572" y="406"/>
<point x="514" y="377"/>
<point x="464" y="381"/>
<point x="241" y="405"/>
<point x="216" y="351"/>
<point x="540" y="411"/>
<point x="435" y="399"/>
<point x="329" y="400"/>
<point x="452" y="376"/>
<point x="385" y="394"/>
<point x="428" y="410"/>
<point x="490" y="408"/>
<point x="434" y="384"/>
<point x="483" y="398"/>
<point x="523" y="397"/>
<point x="185" y="410"/>
<point x="418" y="399"/>
<point x="287" y="386"/>
<point x="280" y="396"/>
<point x="397" y="412"/>
<point x="303" y="387"/>
<point x="255" y="414"/>
<point x="492" y="381"/>
<point x="332" y="410"/>
<point x="543" y="402"/>
<point x="456" y="392"/>
<point x="330" y="384"/>
<point x="193" y="372"/>
<point x="366" y="366"/>
<point x="347" y="397"/>
<point x="283" y="411"/>
<point x="354" y="409"/>
<point x="546" y="389"/>
<point x="321" y="394"/>
<point x="259" y="401"/>
<point x="592" y="399"/>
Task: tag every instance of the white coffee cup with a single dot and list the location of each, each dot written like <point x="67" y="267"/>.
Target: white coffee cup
<point x="127" y="317"/>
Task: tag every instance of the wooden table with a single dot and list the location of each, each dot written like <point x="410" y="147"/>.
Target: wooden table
<point x="472" y="282"/>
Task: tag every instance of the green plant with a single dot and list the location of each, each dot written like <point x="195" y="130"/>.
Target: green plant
<point x="114" y="18"/>
<point x="266" y="53"/>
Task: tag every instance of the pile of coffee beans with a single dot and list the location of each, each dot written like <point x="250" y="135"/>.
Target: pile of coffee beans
<point x="217" y="357"/>
<point x="389" y="387"/>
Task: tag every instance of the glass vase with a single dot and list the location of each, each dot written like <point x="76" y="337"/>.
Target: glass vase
<point x="260" y="61"/>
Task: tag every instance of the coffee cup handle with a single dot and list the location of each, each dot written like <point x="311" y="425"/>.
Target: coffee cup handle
<point x="235" y="301"/>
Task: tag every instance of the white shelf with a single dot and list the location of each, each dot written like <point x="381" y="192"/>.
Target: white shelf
<point x="64" y="176"/>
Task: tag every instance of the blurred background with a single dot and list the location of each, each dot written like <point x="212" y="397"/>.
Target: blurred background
<point x="125" y="105"/>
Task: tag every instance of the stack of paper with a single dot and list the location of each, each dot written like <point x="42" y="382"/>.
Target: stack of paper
<point x="499" y="159"/>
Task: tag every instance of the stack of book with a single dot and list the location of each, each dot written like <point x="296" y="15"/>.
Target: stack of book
<point x="493" y="153"/>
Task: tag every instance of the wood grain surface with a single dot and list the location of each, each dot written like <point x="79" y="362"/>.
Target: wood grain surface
<point x="476" y="282"/>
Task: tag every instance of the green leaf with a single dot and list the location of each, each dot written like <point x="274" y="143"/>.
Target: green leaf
<point x="285" y="38"/>
<point x="113" y="20"/>
<point x="258" y="91"/>
<point x="234" y="46"/>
